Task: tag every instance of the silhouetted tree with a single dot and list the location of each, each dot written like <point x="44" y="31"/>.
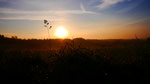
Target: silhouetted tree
<point x="79" y="39"/>
<point x="148" y="39"/>
<point x="2" y="36"/>
<point x="14" y="37"/>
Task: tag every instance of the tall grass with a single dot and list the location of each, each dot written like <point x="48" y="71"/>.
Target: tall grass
<point x="74" y="60"/>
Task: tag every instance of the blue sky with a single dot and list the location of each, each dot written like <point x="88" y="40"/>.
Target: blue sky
<point x="90" y="19"/>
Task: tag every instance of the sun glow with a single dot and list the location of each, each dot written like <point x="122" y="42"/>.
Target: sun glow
<point x="61" y="32"/>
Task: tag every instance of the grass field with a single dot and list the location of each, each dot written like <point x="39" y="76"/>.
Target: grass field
<point x="77" y="60"/>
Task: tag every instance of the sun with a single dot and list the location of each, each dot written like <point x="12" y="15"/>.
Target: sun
<point x="61" y="32"/>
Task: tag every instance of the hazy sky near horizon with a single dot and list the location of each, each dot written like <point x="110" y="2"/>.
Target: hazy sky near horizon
<point x="90" y="19"/>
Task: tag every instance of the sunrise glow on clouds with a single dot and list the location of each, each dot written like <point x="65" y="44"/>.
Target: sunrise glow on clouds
<point x="91" y="19"/>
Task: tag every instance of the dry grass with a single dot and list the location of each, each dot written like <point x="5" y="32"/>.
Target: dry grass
<point x="47" y="61"/>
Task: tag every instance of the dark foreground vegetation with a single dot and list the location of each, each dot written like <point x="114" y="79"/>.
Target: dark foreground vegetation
<point x="78" y="60"/>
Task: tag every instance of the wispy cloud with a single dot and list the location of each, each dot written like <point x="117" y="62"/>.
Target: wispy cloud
<point x="82" y="7"/>
<point x="133" y="22"/>
<point x="138" y="21"/>
<point x="85" y="11"/>
<point x="108" y="3"/>
<point x="37" y="15"/>
<point x="14" y="11"/>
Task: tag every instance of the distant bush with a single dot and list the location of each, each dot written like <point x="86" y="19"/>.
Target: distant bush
<point x="148" y="39"/>
<point x="2" y="36"/>
<point x="14" y="37"/>
<point x="79" y="39"/>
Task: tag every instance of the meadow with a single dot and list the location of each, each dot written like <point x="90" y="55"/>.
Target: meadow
<point x="45" y="61"/>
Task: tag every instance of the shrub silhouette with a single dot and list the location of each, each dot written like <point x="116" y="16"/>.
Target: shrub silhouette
<point x="2" y="36"/>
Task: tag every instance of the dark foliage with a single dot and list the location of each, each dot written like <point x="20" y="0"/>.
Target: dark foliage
<point x="79" y="60"/>
<point x="2" y="37"/>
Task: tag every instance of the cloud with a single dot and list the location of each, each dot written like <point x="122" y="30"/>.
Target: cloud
<point x="82" y="7"/>
<point x="107" y="3"/>
<point x="15" y="11"/>
<point x="138" y="21"/>
<point x="14" y="14"/>
<point x="85" y="11"/>
<point x="133" y="22"/>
